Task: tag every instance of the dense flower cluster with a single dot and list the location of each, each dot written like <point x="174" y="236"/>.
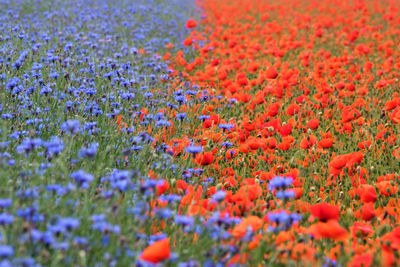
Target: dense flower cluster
<point x="69" y="70"/>
<point x="199" y="133"/>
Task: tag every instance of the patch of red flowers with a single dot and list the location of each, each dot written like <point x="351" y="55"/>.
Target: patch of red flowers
<point x="309" y="90"/>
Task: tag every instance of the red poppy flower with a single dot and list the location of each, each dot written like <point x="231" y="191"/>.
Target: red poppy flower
<point x="325" y="211"/>
<point x="330" y="230"/>
<point x="191" y="23"/>
<point x="205" y="158"/>
<point x="367" y="212"/>
<point x="253" y="222"/>
<point x="362" y="260"/>
<point x="271" y="73"/>
<point x="157" y="252"/>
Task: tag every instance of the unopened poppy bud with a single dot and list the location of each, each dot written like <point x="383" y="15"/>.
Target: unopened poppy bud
<point x="349" y="212"/>
<point x="82" y="254"/>
<point x="122" y="240"/>
<point x="219" y="186"/>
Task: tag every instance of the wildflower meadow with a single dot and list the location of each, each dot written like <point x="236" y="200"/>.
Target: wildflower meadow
<point x="199" y="133"/>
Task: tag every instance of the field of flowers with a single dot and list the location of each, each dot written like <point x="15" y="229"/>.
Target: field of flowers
<point x="199" y="133"/>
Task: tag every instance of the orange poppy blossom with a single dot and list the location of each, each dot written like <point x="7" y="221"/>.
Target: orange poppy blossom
<point x="330" y="229"/>
<point x="157" y="252"/>
<point x="252" y="222"/>
<point x="325" y="211"/>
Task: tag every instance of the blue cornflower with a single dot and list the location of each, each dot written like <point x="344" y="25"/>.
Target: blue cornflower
<point x="120" y="179"/>
<point x="45" y="90"/>
<point x="283" y="220"/>
<point x="233" y="152"/>
<point x="5" y="202"/>
<point x="88" y="152"/>
<point x="28" y="193"/>
<point x="28" y="262"/>
<point x="170" y="198"/>
<point x="285" y="194"/>
<point x="279" y="217"/>
<point x="226" y="126"/>
<point x="329" y="263"/>
<point x="148" y="95"/>
<point x="280" y="183"/>
<point x="54" y="75"/>
<point x="204" y="117"/>
<point x="71" y="126"/>
<point x="56" y="229"/>
<point x="189" y="263"/>
<point x="4" y="144"/>
<point x="180" y="99"/>
<point x="226" y="144"/>
<point x="149" y="183"/>
<point x="57" y="189"/>
<point x="54" y="146"/>
<point x="219" y="196"/>
<point x="194" y="149"/>
<point x="61" y="245"/>
<point x="28" y="145"/>
<point x="106" y="227"/>
<point x="157" y="237"/>
<point x="80" y="240"/>
<point x="7" y="116"/>
<point x="164" y="213"/>
<point x="69" y="223"/>
<point x="181" y="116"/>
<point x="163" y="123"/>
<point x="6" y="251"/>
<point x="82" y="178"/>
<point x="295" y="217"/>
<point x="6" y="218"/>
<point x="184" y="220"/>
<point x="190" y="92"/>
<point x="98" y="217"/>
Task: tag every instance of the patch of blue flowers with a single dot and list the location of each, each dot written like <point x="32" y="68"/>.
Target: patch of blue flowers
<point x="75" y="186"/>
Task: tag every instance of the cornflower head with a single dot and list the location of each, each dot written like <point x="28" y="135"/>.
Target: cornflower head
<point x="194" y="149"/>
<point x="219" y="196"/>
<point x="280" y="183"/>
<point x="226" y="126"/>
<point x="82" y="178"/>
<point x="282" y="220"/>
<point x="71" y="126"/>
<point x="89" y="151"/>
